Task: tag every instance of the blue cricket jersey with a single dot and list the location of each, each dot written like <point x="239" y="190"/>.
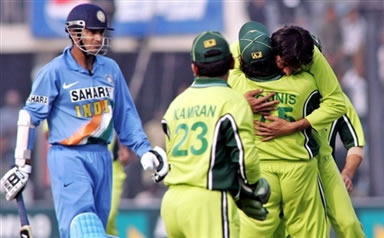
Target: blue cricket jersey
<point x="83" y="107"/>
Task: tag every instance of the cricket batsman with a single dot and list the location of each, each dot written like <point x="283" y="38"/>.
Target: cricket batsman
<point x="84" y="97"/>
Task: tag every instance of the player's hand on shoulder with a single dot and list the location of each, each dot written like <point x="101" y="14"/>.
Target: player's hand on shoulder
<point x="262" y="105"/>
<point x="156" y="159"/>
<point x="15" y="180"/>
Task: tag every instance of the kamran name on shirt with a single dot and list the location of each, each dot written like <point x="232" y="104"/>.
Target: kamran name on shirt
<point x="195" y="111"/>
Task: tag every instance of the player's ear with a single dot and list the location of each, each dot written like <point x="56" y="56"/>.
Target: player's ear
<point x="195" y="69"/>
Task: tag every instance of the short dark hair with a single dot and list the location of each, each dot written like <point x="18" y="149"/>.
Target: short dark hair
<point x="260" y="68"/>
<point x="294" y="45"/>
<point x="215" y="69"/>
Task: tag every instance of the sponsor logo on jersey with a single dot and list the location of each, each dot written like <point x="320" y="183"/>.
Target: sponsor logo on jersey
<point x="82" y="94"/>
<point x="92" y="109"/>
<point x="37" y="99"/>
<point x="66" y="86"/>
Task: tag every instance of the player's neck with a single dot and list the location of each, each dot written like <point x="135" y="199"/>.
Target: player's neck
<point x="86" y="61"/>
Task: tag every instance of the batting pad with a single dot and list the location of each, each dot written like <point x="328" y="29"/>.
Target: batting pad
<point x="87" y="225"/>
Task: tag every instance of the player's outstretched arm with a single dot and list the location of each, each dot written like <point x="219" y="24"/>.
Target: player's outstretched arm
<point x="351" y="133"/>
<point x="353" y="161"/>
<point x="332" y="104"/>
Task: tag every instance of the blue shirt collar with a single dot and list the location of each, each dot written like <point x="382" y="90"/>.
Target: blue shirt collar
<point x="73" y="65"/>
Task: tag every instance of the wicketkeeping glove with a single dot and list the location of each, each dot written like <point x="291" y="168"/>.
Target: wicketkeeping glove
<point x="15" y="180"/>
<point x="262" y="190"/>
<point x="156" y="159"/>
<point x="252" y="197"/>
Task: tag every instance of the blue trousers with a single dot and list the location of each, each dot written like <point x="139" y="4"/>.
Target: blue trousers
<point x="81" y="181"/>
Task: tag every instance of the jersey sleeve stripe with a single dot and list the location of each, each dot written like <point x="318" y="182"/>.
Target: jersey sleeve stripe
<point x="351" y="130"/>
<point x="238" y="143"/>
<point x="224" y="211"/>
<point x="164" y="126"/>
<point x="332" y="132"/>
<point x="307" y="139"/>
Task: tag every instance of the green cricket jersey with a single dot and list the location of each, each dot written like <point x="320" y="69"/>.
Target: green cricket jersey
<point x="235" y="50"/>
<point x="298" y="96"/>
<point x="210" y="139"/>
<point x="332" y="100"/>
<point x="349" y="128"/>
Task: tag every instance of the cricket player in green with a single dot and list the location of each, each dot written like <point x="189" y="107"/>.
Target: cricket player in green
<point x="210" y="144"/>
<point x="340" y="209"/>
<point x="339" y="206"/>
<point x="288" y="162"/>
<point x="352" y="135"/>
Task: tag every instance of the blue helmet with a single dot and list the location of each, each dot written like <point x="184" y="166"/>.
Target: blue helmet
<point x="89" y="16"/>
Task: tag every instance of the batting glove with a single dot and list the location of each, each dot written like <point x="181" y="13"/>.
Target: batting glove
<point x="15" y="180"/>
<point x="156" y="159"/>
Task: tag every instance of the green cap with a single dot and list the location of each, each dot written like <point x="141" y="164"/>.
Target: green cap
<point x="253" y="26"/>
<point x="255" y="46"/>
<point x="208" y="47"/>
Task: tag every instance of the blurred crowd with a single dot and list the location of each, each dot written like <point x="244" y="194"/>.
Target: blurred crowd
<point x="341" y="27"/>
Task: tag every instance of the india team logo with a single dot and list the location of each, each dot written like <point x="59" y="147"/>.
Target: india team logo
<point x="100" y="16"/>
<point x="109" y="78"/>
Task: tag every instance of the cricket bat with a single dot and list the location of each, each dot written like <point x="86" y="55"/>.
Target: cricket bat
<point x="25" y="230"/>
